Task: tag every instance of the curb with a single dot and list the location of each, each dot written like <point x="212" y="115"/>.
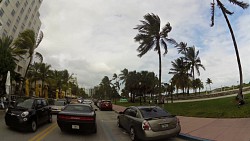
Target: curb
<point x="193" y="138"/>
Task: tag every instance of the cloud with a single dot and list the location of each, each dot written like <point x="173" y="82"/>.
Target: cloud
<point x="94" y="38"/>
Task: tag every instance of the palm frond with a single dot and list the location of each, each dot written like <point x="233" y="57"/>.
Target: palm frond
<point x="39" y="56"/>
<point x="224" y="8"/>
<point x="165" y="46"/>
<point x="166" y="29"/>
<point x="241" y="4"/>
<point x="212" y="13"/>
<point x="171" y="41"/>
<point x="39" y="39"/>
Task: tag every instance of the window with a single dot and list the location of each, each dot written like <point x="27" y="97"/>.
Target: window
<point x="18" y="19"/>
<point x="13" y="12"/>
<point x="8" y="22"/>
<point x="6" y="3"/>
<point x="22" y="10"/>
<point x="153" y="112"/>
<point x="4" y="33"/>
<point x="44" y="102"/>
<point x="14" y="29"/>
<point x="22" y="27"/>
<point x="1" y="12"/>
<point x="19" y="68"/>
<point x="26" y="3"/>
<point x="26" y="17"/>
<point x="17" y="4"/>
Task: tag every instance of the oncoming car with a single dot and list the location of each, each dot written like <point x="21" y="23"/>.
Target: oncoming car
<point x="78" y="117"/>
<point x="148" y="123"/>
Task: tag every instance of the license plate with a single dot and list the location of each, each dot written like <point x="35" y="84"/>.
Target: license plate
<point x="164" y="125"/>
<point x="75" y="126"/>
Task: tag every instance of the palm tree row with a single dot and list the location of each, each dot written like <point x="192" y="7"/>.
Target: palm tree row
<point x="24" y="47"/>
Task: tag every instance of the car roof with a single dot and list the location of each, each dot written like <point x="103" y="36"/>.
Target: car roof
<point x="142" y="107"/>
<point x="77" y="104"/>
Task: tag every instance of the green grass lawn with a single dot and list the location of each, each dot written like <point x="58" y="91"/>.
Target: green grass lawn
<point x="217" y="108"/>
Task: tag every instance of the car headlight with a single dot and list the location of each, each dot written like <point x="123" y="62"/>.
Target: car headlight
<point x="24" y="114"/>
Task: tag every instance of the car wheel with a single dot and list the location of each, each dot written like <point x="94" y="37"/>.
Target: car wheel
<point x="33" y="126"/>
<point x="132" y="134"/>
<point x="63" y="130"/>
<point x="50" y="118"/>
<point x="118" y="123"/>
<point x="95" y="130"/>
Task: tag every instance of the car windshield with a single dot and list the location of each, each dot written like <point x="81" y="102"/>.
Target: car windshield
<point x="78" y="108"/>
<point x="59" y="103"/>
<point x="26" y="103"/>
<point x="153" y="112"/>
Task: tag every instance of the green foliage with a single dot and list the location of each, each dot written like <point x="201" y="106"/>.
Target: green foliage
<point x="216" y="108"/>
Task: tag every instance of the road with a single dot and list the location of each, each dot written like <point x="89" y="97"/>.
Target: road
<point x="106" y="131"/>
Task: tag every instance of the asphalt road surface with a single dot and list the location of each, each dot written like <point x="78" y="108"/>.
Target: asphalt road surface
<point x="107" y="130"/>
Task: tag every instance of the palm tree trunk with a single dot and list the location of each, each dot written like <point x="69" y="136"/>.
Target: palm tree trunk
<point x="240" y="95"/>
<point x="20" y="92"/>
<point x="159" y="52"/>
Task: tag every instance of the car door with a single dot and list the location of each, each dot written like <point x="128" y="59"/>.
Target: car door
<point x="39" y="111"/>
<point x="45" y="111"/>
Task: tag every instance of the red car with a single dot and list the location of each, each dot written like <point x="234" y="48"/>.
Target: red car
<point x="105" y="105"/>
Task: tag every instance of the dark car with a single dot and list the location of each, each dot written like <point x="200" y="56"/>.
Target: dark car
<point x="77" y="117"/>
<point x="27" y="114"/>
<point x="148" y="123"/>
<point x="105" y="105"/>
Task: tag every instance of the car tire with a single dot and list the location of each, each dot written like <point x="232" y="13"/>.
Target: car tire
<point x="33" y="126"/>
<point x="63" y="130"/>
<point x="95" y="130"/>
<point x="50" y="118"/>
<point x="118" y="123"/>
<point x="132" y="134"/>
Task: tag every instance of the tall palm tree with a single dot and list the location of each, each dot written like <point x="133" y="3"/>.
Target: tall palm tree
<point x="226" y="12"/>
<point x="27" y="40"/>
<point x="123" y="76"/>
<point x="150" y="37"/>
<point x="44" y="74"/>
<point x="194" y="60"/>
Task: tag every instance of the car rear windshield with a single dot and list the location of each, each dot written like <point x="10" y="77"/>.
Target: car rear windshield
<point x="78" y="108"/>
<point x="153" y="112"/>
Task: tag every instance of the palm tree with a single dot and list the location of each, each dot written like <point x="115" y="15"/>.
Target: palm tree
<point x="123" y="76"/>
<point x="27" y="40"/>
<point x="44" y="74"/>
<point x="194" y="60"/>
<point x="226" y="12"/>
<point x="179" y="70"/>
<point x="209" y="81"/>
<point x="150" y="37"/>
<point x="8" y="54"/>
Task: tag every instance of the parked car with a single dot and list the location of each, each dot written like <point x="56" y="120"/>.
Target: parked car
<point x="105" y="105"/>
<point x="87" y="101"/>
<point x="148" y="123"/>
<point x="27" y="114"/>
<point x="58" y="106"/>
<point x="80" y="117"/>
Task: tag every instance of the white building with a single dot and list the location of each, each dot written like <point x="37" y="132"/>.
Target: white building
<point x="15" y="17"/>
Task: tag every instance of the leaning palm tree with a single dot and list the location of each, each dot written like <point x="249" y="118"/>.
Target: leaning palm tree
<point x="27" y="40"/>
<point x="226" y="12"/>
<point x="150" y="37"/>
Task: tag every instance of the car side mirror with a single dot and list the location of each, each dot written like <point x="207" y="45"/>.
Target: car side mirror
<point x="121" y="112"/>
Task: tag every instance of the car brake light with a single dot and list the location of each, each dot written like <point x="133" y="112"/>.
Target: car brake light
<point x="75" y="118"/>
<point x="146" y="125"/>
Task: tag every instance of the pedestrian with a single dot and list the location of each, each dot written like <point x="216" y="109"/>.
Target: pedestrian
<point x="1" y="102"/>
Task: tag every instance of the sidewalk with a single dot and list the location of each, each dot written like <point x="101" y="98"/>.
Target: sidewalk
<point x="214" y="129"/>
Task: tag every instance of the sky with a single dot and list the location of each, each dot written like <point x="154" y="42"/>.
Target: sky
<point x="95" y="38"/>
